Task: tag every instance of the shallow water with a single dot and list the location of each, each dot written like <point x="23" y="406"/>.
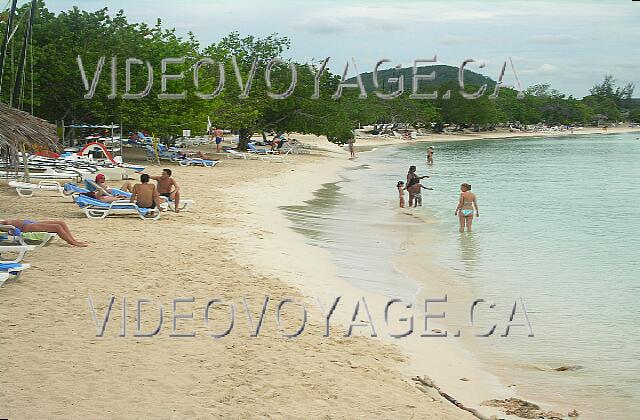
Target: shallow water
<point x="557" y="229"/>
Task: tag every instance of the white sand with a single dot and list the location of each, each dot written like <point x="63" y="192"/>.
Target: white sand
<point x="54" y="366"/>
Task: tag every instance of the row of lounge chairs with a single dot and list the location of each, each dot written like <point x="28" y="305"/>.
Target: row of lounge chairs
<point x="93" y="208"/>
<point x="265" y="155"/>
<point x="17" y="246"/>
<point x="173" y="155"/>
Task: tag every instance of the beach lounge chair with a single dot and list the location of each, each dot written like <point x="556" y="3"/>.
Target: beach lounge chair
<point x="197" y="162"/>
<point x="162" y="154"/>
<point x="27" y="190"/>
<point x="96" y="209"/>
<point x="237" y="155"/>
<point x="73" y="189"/>
<point x="36" y="239"/>
<point x="253" y="149"/>
<point x="19" y="250"/>
<point x="184" y="204"/>
<point x="8" y="270"/>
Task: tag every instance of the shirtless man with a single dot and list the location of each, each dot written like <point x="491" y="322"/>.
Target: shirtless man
<point x="415" y="192"/>
<point x="219" y="134"/>
<point x="168" y="187"/>
<point x="145" y="195"/>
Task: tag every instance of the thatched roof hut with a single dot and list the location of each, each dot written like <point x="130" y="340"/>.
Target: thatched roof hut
<point x="20" y="130"/>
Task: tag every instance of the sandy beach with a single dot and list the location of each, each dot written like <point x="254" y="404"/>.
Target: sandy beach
<point x="234" y="243"/>
<point x="368" y="142"/>
<point x="49" y="338"/>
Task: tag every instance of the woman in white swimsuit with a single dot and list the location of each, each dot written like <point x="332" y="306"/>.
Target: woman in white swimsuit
<point x="466" y="204"/>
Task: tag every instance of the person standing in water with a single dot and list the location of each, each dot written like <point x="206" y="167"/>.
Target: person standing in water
<point x="400" y="187"/>
<point x="430" y="155"/>
<point x="412" y="175"/>
<point x="465" y="208"/>
<point x="415" y="192"/>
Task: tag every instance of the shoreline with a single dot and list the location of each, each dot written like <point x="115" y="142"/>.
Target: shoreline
<point x="310" y="269"/>
<point x="46" y="326"/>
<point x="368" y="143"/>
<point x="235" y="242"/>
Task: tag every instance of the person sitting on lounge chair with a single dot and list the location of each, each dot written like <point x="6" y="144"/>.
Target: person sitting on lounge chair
<point x="145" y="195"/>
<point x="51" y="226"/>
<point x="101" y="191"/>
<point x="168" y="187"/>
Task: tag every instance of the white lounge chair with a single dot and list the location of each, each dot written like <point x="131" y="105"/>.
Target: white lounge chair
<point x="28" y="239"/>
<point x="96" y="209"/>
<point x="197" y="162"/>
<point x="184" y="204"/>
<point x="19" y="250"/>
<point x="237" y="155"/>
<point x="26" y="189"/>
<point x="8" y="270"/>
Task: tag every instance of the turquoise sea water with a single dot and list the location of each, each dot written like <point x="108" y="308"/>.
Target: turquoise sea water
<point x="558" y="228"/>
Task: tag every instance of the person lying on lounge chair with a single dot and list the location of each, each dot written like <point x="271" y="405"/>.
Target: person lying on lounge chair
<point x="145" y="195"/>
<point x="102" y="191"/>
<point x="51" y="226"/>
<point x="196" y="154"/>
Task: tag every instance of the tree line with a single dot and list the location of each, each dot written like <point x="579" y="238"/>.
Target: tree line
<point x="54" y="90"/>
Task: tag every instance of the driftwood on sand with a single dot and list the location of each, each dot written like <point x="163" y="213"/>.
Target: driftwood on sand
<point x="426" y="382"/>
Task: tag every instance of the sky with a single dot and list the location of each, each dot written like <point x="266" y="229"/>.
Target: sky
<point x="569" y="44"/>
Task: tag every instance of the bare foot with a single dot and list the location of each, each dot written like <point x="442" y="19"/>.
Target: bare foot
<point x="80" y="245"/>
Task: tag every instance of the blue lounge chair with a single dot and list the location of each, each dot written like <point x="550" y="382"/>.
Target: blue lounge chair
<point x="74" y="189"/>
<point x="8" y="270"/>
<point x="96" y="209"/>
<point x="163" y="154"/>
<point x="30" y="240"/>
<point x="197" y="162"/>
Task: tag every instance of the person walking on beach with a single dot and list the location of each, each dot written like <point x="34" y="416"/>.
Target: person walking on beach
<point x="352" y="150"/>
<point x="14" y="227"/>
<point x="219" y="134"/>
<point x="400" y="187"/>
<point x="415" y="192"/>
<point x="465" y="208"/>
<point x="168" y="187"/>
<point x="430" y="155"/>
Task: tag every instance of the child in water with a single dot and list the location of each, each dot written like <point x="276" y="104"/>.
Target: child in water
<point x="415" y="192"/>
<point x="400" y="187"/>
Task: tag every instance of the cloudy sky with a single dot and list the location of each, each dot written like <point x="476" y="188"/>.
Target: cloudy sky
<point x="570" y="44"/>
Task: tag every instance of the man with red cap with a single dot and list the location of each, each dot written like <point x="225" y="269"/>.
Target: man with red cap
<point x="101" y="191"/>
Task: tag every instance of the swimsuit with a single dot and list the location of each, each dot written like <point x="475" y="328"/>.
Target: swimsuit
<point x="467" y="212"/>
<point x="27" y="222"/>
<point x="218" y="140"/>
<point x="152" y="206"/>
<point x="168" y="195"/>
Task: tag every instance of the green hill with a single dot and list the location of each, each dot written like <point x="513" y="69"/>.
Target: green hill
<point x="443" y="74"/>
